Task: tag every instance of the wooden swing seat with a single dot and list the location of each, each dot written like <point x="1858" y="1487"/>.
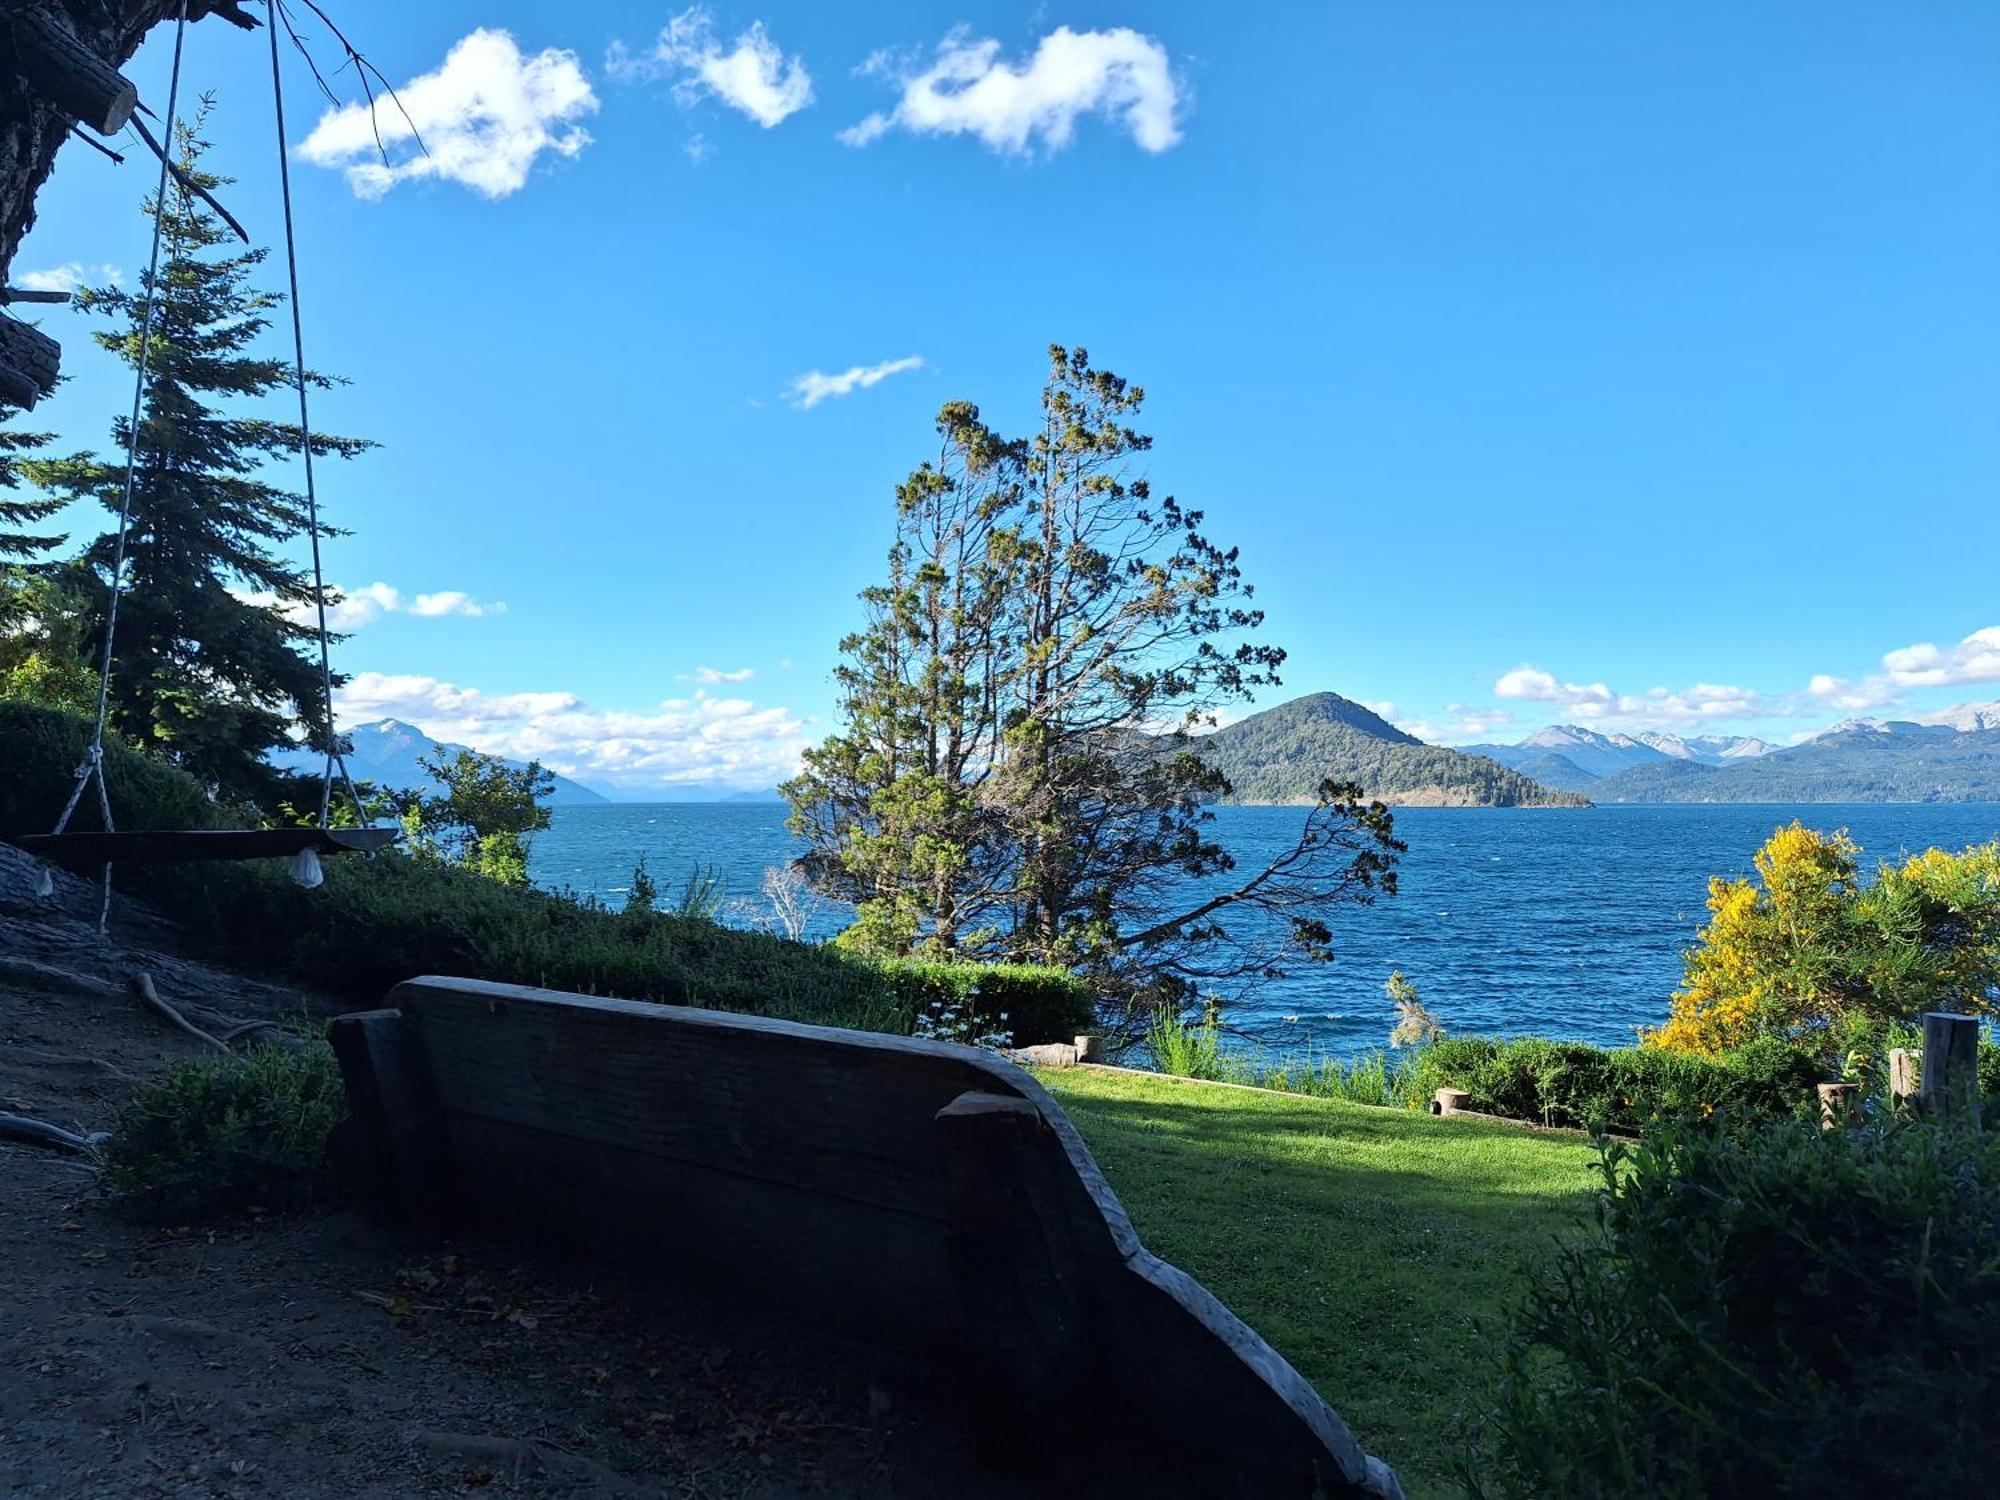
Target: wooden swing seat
<point x="175" y="845"/>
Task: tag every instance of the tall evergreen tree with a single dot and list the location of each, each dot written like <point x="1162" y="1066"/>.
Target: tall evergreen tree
<point x="211" y="665"/>
<point x="1015" y="776"/>
<point x="18" y="512"/>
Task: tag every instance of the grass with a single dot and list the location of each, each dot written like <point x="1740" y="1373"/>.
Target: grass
<point x="1379" y="1251"/>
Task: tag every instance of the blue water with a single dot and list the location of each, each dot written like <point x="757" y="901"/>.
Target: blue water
<point x="1558" y="923"/>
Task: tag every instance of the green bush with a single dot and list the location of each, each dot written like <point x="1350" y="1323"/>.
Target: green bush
<point x="1777" y="1311"/>
<point x="228" y="1133"/>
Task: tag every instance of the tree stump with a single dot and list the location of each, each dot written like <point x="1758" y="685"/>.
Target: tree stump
<point x="1450" y="1101"/>
<point x="1090" y="1047"/>
<point x="1839" y="1104"/>
<point x="1902" y="1078"/>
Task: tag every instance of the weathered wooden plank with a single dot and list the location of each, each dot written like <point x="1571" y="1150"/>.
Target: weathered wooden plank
<point x="1950" y="1087"/>
<point x="834" y="1262"/>
<point x="1902" y="1076"/>
<point x="1839" y="1104"/>
<point x="149" y="846"/>
<point x="930" y="1197"/>
<point x="395" y="1129"/>
<point x="1021" y="1286"/>
<point x="762" y="1098"/>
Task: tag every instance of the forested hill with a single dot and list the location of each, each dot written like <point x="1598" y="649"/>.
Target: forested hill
<point x="1282" y="755"/>
<point x="1893" y="762"/>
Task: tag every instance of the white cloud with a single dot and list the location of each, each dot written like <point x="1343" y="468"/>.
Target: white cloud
<point x="69" y="278"/>
<point x="808" y="390"/>
<point x="711" y="677"/>
<point x="1594" y="703"/>
<point x="350" y="609"/>
<point x="729" y="741"/>
<point x="452" y="602"/>
<point x="754" y="76"/>
<point x="485" y="116"/>
<point x="1461" y="724"/>
<point x="969" y="90"/>
<point x="1974" y="659"/>
<point x="1530" y="684"/>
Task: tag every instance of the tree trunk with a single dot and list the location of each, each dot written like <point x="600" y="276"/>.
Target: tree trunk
<point x="64" y="52"/>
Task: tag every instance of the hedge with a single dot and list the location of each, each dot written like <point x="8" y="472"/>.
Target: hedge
<point x="40" y="749"/>
<point x="1621" y="1088"/>
<point x="1031" y="1003"/>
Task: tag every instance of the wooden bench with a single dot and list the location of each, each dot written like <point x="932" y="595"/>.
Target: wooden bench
<point x="931" y="1198"/>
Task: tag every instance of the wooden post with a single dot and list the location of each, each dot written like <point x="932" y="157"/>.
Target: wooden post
<point x="1450" y="1101"/>
<point x="1902" y="1078"/>
<point x="1090" y="1047"/>
<point x="1020" y="1287"/>
<point x="1950" y="1088"/>
<point x="395" y="1128"/>
<point x="1839" y="1104"/>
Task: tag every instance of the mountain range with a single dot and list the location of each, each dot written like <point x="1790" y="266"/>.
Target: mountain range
<point x="391" y="753"/>
<point x="1575" y="758"/>
<point x="1282" y="754"/>
<point x="1949" y="756"/>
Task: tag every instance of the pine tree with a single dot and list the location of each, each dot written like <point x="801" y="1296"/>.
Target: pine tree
<point x="17" y="513"/>
<point x="216" y="657"/>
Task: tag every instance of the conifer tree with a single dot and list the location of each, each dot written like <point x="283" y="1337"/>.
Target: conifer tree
<point x="215" y="658"/>
<point x="21" y="516"/>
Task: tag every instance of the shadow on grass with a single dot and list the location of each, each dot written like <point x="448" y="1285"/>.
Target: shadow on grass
<point x="1381" y="1253"/>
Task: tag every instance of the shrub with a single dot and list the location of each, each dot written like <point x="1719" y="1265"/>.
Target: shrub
<point x="1186" y="1049"/>
<point x="1778" y="1311"/>
<point x="228" y="1133"/>
<point x="1808" y="944"/>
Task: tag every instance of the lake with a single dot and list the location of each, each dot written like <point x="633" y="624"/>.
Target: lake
<point x="1558" y="923"/>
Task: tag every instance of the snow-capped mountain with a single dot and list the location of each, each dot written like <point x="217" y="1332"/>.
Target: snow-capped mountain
<point x="1571" y="756"/>
<point x="1971" y="718"/>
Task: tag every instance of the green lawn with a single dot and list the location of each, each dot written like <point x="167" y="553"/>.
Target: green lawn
<point x="1379" y="1251"/>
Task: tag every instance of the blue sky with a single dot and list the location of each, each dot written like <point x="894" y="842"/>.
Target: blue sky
<point x="1625" y="363"/>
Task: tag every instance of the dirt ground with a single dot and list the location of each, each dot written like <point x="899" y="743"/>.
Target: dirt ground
<point x="320" y="1356"/>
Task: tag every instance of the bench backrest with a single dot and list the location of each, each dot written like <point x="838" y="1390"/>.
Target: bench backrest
<point x="930" y="1196"/>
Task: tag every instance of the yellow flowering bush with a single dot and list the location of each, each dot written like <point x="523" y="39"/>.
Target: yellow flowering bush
<point x="1806" y="943"/>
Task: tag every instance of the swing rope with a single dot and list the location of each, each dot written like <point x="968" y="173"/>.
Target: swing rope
<point x="92" y="766"/>
<point x="305" y="867"/>
<point x="334" y="758"/>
